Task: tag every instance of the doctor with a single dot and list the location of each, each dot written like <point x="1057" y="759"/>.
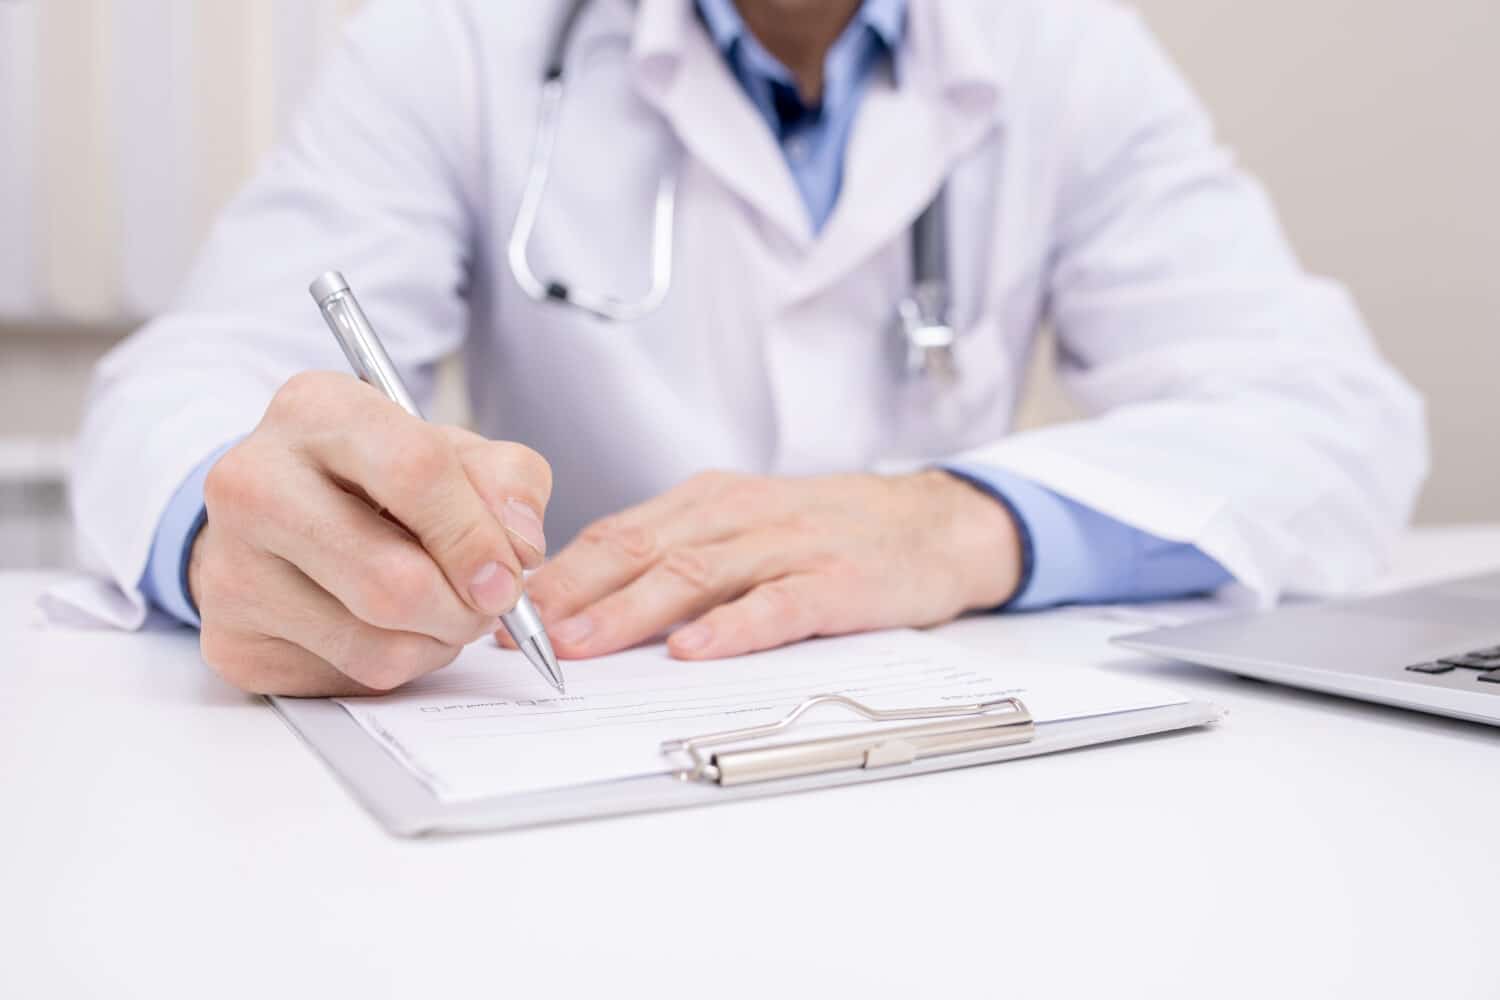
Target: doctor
<point x="761" y="222"/>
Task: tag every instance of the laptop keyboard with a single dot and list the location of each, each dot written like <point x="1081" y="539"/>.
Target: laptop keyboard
<point x="1486" y="661"/>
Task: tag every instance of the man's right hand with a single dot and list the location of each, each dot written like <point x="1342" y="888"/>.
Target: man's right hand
<point x="350" y="547"/>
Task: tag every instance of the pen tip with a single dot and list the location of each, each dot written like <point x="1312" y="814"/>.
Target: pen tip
<point x="539" y="652"/>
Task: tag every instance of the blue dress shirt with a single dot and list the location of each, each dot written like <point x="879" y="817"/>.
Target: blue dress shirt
<point x="1071" y="553"/>
<point x="165" y="582"/>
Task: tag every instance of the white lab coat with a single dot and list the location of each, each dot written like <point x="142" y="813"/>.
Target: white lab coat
<point x="1232" y="401"/>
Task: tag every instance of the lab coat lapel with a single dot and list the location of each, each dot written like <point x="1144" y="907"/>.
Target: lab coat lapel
<point x="909" y="135"/>
<point x="680" y="73"/>
<point x="831" y="377"/>
<point x="832" y="382"/>
<point x="904" y="145"/>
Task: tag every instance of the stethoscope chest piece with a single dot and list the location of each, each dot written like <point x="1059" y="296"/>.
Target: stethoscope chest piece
<point x="928" y="338"/>
<point x="929" y="410"/>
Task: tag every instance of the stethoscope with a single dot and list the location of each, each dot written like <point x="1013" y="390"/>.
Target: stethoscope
<point x="922" y="316"/>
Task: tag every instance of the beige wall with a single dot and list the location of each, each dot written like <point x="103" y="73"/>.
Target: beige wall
<point x="1374" y="124"/>
<point x="1370" y="120"/>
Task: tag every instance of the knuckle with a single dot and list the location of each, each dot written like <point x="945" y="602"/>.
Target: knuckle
<point x="225" y="653"/>
<point x="299" y="396"/>
<point x="553" y="590"/>
<point x="215" y="646"/>
<point x="691" y="568"/>
<point x="431" y="654"/>
<point x="347" y="645"/>
<point x="534" y="472"/>
<point x="463" y="537"/>
<point x="803" y="526"/>
<point x="417" y="458"/>
<point x="394" y="660"/>
<point x="392" y="590"/>
<point x="780" y="602"/>
<point x="232" y="483"/>
<point x="835" y="565"/>
<point x="735" y="490"/>
<point x="617" y="535"/>
<point x="712" y="482"/>
<point x="850" y="588"/>
<point x="748" y="490"/>
<point x="844" y="574"/>
<point x="397" y="599"/>
<point x="379" y="667"/>
<point x="212" y="582"/>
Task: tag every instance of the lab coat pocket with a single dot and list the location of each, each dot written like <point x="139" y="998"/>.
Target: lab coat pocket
<point x="987" y="376"/>
<point x="934" y="419"/>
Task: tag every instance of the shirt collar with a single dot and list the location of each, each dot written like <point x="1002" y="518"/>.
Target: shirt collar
<point x="952" y="47"/>
<point x="885" y="18"/>
<point x="722" y="18"/>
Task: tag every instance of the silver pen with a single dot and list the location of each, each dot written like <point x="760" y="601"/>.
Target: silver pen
<point x="370" y="362"/>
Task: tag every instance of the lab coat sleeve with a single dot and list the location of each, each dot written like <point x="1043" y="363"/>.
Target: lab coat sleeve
<point x="1231" y="401"/>
<point x="372" y="179"/>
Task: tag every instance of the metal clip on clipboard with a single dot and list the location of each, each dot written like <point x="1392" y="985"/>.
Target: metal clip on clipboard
<point x="954" y="729"/>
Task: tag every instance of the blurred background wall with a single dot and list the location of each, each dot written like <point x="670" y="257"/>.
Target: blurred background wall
<point x="125" y="124"/>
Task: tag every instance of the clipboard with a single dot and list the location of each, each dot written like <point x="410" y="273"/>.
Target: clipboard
<point x="739" y="767"/>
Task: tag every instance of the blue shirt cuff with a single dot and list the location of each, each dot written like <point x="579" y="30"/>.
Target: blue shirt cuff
<point x="165" y="581"/>
<point x="1076" y="555"/>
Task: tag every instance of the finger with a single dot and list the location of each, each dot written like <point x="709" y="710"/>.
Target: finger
<point x="412" y="470"/>
<point x="612" y="552"/>
<point x="683" y="584"/>
<point x="313" y="619"/>
<point x="273" y="598"/>
<point x="373" y="567"/>
<point x="514" y="482"/>
<point x="237" y="651"/>
<point x="773" y="614"/>
<point x="265" y="665"/>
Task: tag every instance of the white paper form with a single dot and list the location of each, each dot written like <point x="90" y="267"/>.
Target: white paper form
<point x="489" y="726"/>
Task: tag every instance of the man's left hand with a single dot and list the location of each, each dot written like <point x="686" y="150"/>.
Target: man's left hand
<point x="744" y="563"/>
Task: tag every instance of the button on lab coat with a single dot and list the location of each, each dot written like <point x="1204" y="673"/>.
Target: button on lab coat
<point x="1231" y="401"/>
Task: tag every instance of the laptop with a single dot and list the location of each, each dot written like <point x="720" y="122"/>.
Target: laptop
<point x="1434" y="648"/>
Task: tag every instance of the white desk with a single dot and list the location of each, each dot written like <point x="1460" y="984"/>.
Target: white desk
<point x="164" y="836"/>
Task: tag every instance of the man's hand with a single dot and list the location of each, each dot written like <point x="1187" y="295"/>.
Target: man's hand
<point x="350" y="547"/>
<point x="755" y="562"/>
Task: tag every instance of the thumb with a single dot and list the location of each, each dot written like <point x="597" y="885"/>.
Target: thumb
<point x="514" y="482"/>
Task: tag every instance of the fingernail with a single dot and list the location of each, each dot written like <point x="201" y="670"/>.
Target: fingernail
<point x="494" y="589"/>
<point x="691" y="638"/>
<point x="573" y="630"/>
<point x="520" y="520"/>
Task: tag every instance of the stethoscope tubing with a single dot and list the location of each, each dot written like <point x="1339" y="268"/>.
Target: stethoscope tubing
<point x="922" y="315"/>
